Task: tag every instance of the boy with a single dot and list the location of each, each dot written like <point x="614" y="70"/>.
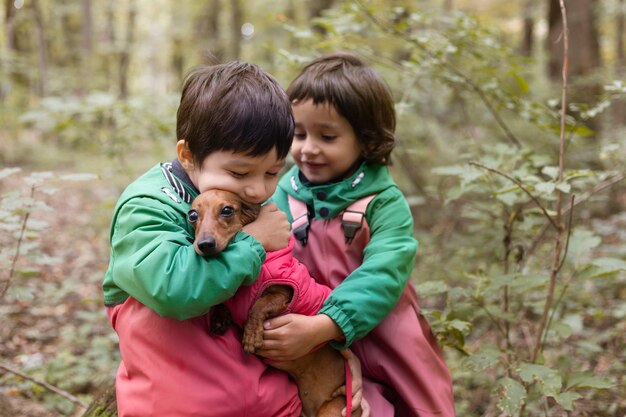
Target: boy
<point x="234" y="129"/>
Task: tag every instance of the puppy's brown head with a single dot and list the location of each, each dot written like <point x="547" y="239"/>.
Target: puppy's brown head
<point x="216" y="216"/>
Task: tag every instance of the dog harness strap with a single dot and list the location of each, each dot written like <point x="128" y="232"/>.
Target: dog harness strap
<point x="300" y="216"/>
<point x="352" y="217"/>
<point x="348" y="389"/>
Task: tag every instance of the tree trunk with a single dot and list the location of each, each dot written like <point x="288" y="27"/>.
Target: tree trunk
<point x="237" y="22"/>
<point x="9" y="19"/>
<point x="528" y="30"/>
<point x="125" y="55"/>
<point x="86" y="30"/>
<point x="109" y="43"/>
<point x="619" y="111"/>
<point x="42" y="52"/>
<point x="208" y="28"/>
<point x="584" y="57"/>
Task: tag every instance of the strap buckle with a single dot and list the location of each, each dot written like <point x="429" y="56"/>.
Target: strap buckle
<point x="351" y="221"/>
<point x="300" y="227"/>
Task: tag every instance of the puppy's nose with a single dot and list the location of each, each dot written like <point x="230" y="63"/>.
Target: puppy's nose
<point x="207" y="246"/>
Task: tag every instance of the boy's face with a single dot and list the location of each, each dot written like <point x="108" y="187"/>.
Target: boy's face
<point x="253" y="178"/>
<point x="325" y="147"/>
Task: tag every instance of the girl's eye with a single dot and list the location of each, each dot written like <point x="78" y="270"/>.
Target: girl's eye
<point x="237" y="174"/>
<point x="271" y="174"/>
<point x="227" y="211"/>
<point x="192" y="216"/>
<point x="299" y="135"/>
<point x="328" y="137"/>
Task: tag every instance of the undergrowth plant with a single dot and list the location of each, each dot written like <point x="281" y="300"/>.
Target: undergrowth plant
<point x="84" y="353"/>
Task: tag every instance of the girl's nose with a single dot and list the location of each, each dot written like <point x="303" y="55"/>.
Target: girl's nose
<point x="309" y="147"/>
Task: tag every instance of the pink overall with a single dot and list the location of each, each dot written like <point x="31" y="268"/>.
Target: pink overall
<point x="180" y="369"/>
<point x="404" y="373"/>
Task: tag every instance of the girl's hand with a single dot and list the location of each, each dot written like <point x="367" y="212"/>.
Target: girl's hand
<point x="292" y="336"/>
<point x="357" y="385"/>
<point x="271" y="228"/>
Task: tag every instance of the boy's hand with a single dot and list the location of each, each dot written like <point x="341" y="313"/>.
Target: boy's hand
<point x="270" y="228"/>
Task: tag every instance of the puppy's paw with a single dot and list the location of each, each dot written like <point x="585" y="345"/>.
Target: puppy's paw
<point x="252" y="335"/>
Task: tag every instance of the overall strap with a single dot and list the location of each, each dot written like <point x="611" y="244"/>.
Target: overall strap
<point x="300" y="216"/>
<point x="352" y="217"/>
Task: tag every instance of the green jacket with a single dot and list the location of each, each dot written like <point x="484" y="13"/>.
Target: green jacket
<point x="371" y="291"/>
<point x="152" y="256"/>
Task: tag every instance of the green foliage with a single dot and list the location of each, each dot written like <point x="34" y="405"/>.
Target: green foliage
<point x="103" y="124"/>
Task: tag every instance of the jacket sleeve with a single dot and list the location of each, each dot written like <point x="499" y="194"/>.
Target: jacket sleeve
<point x="372" y="290"/>
<point x="153" y="260"/>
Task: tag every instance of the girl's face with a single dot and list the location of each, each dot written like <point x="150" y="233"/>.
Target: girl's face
<point x="252" y="178"/>
<point x="325" y="147"/>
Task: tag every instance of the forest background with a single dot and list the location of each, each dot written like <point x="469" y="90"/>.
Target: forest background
<point x="519" y="207"/>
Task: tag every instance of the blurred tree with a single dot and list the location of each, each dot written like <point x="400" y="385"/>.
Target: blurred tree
<point x="86" y="56"/>
<point x="526" y="48"/>
<point x="42" y="49"/>
<point x="125" y="54"/>
<point x="236" y="23"/>
<point x="620" y="60"/>
<point x="584" y="56"/>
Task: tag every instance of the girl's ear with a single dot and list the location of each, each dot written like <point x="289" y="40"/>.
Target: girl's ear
<point x="184" y="155"/>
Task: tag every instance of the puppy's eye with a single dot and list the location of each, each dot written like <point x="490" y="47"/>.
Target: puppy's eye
<point x="192" y="216"/>
<point x="227" y="211"/>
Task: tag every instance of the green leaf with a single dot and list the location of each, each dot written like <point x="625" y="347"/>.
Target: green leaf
<point x="550" y="171"/>
<point x="613" y="264"/>
<point x="581" y="243"/>
<point x="548" y="379"/>
<point x="566" y="399"/>
<point x="587" y="380"/>
<point x="512" y="395"/>
<point x="487" y="356"/>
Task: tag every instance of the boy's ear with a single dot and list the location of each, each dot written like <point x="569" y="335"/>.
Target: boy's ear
<point x="184" y="155"/>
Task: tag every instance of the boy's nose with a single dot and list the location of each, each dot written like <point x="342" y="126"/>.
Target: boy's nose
<point x="255" y="193"/>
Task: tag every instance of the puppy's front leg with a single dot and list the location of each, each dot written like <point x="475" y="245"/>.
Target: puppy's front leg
<point x="272" y="302"/>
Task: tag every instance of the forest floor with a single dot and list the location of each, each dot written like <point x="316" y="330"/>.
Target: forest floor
<point x="54" y="325"/>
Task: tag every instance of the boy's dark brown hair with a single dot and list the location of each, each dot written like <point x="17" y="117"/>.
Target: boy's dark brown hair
<point x="234" y="107"/>
<point x="358" y="93"/>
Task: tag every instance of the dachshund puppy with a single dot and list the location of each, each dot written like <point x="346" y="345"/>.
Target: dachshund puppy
<point x="216" y="216"/>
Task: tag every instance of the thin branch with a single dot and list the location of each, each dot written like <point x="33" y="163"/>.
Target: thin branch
<point x="581" y="199"/>
<point x="44" y="384"/>
<point x="483" y="97"/>
<point x="556" y="261"/>
<point x="20" y="239"/>
<point x="521" y="186"/>
<point x="569" y="232"/>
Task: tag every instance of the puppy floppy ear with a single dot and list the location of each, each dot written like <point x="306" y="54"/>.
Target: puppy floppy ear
<point x="249" y="212"/>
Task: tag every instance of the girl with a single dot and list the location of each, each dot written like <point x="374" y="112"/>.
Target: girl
<point x="355" y="233"/>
